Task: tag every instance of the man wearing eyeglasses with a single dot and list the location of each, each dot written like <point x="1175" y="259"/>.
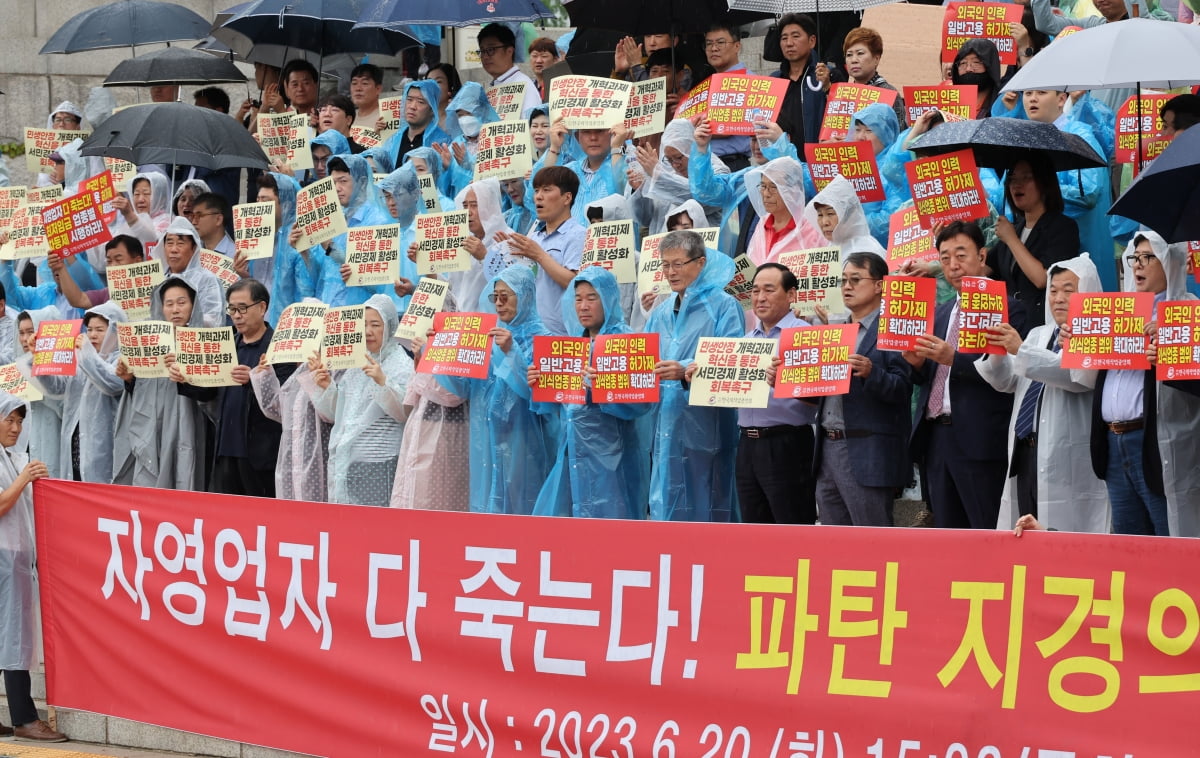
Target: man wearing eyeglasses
<point x="209" y="212"/>
<point x="722" y="48"/>
<point x="862" y="437"/>
<point x="497" y="51"/>
<point x="247" y="442"/>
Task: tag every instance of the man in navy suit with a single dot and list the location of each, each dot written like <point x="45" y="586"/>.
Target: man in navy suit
<point x="960" y="433"/>
<point x="862" y="440"/>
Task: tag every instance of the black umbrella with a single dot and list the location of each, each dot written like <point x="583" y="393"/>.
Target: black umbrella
<point x="1166" y="196"/>
<point x="387" y="13"/>
<point x="126" y="23"/>
<point x="320" y="26"/>
<point x="174" y="65"/>
<point x="1000" y="142"/>
<point x="177" y="134"/>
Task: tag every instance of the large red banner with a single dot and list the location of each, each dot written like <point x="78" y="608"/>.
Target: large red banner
<point x="429" y="632"/>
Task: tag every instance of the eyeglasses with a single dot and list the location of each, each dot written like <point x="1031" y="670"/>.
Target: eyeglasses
<point x="672" y="266"/>
<point x="65" y="121"/>
<point x="717" y="44"/>
<point x="240" y="310"/>
<point x="197" y="214"/>
<point x="1140" y="259"/>
<point x="768" y="189"/>
<point x="971" y="64"/>
<point x="679" y="160"/>
<point x="854" y="281"/>
<point x="499" y="297"/>
<point x="488" y="52"/>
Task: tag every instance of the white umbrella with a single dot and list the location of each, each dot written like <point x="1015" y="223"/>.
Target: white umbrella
<point x="1136" y="52"/>
<point x="781" y="7"/>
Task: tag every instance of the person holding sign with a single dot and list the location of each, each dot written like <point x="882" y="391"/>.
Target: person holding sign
<point x="420" y="128"/>
<point x="287" y="274"/>
<point x="366" y="408"/>
<point x="426" y="162"/>
<point x="45" y="416"/>
<point x="1049" y="436"/>
<point x="777" y="192"/>
<point x="555" y="244"/>
<point x="146" y="213"/>
<point x="161" y="436"/>
<point x="324" y="146"/>
<point x="511" y="445"/>
<point x="775" y="482"/>
<point x="862" y="437"/>
<point x="601" y="469"/>
<point x="1143" y="430"/>
<point x="101" y="392"/>
<point x="247" y="441"/>
<point x="179" y="250"/>
<point x="465" y="116"/>
<point x="1040" y="235"/>
<point x="18" y="589"/>
<point x="363" y="205"/>
<point x="837" y="212"/>
<point x="1087" y="193"/>
<point x="693" y="456"/>
<point x="863" y="48"/>
<point x="402" y="194"/>
<point x="665" y="183"/>
<point x="497" y="51"/>
<point x="723" y="48"/>
<point x="958" y="436"/>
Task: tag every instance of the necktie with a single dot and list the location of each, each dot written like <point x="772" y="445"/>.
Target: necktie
<point x="1027" y="413"/>
<point x="937" y="393"/>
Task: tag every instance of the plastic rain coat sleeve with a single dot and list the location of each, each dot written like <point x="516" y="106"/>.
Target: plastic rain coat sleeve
<point x="43" y="424"/>
<point x="301" y="468"/>
<point x="102" y="390"/>
<point x="367" y="419"/>
<point x="511" y="444"/>
<point x="692" y="478"/>
<point x="430" y="473"/>
<point x="18" y="594"/>
<point x="787" y="175"/>
<point x="601" y="467"/>
<point x="1087" y="195"/>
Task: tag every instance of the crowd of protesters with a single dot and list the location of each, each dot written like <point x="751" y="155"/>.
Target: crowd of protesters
<point x="987" y="438"/>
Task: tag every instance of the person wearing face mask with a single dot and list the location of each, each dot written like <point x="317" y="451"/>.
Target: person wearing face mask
<point x="978" y="63"/>
<point x="161" y="436"/>
<point x="465" y="116"/>
<point x="366" y="408"/>
<point x="1049" y="475"/>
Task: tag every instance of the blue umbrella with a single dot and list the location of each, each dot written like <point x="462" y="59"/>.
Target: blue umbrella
<point x="1166" y="195"/>
<point x="126" y="23"/>
<point x="387" y="13"/>
<point x="320" y="26"/>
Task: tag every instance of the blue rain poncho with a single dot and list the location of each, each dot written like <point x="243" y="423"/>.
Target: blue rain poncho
<point x="727" y="191"/>
<point x="401" y="185"/>
<point x="18" y="547"/>
<point x="368" y="419"/>
<point x="23" y="297"/>
<point x="608" y="179"/>
<point x="692" y="478"/>
<point x="881" y="119"/>
<point x="161" y="435"/>
<point x="473" y="99"/>
<point x="1087" y="195"/>
<point x="511" y="445"/>
<point x="433" y="133"/>
<point x="433" y="162"/>
<point x="286" y="274"/>
<point x="365" y="208"/>
<point x="601" y="469"/>
<point x="43" y="425"/>
<point x="337" y="145"/>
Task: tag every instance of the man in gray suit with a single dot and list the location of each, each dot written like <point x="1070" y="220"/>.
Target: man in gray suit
<point x="862" y="439"/>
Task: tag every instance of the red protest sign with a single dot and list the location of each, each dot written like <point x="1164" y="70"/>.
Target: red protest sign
<point x="908" y="239"/>
<point x="737" y="100"/>
<point x="1178" y="340"/>
<point x="560" y="361"/>
<point x="982" y="305"/>
<point x="1193" y="249"/>
<point x="1151" y="149"/>
<point x="958" y="100"/>
<point x="947" y="188"/>
<point x="625" y="367"/>
<point x="853" y="160"/>
<point x="815" y="360"/>
<point x="54" y="348"/>
<point x="1134" y="125"/>
<point x="76" y="223"/>
<point x="461" y="346"/>
<point x="843" y="102"/>
<point x="990" y="21"/>
<point x="906" y="311"/>
<point x="1108" y="331"/>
